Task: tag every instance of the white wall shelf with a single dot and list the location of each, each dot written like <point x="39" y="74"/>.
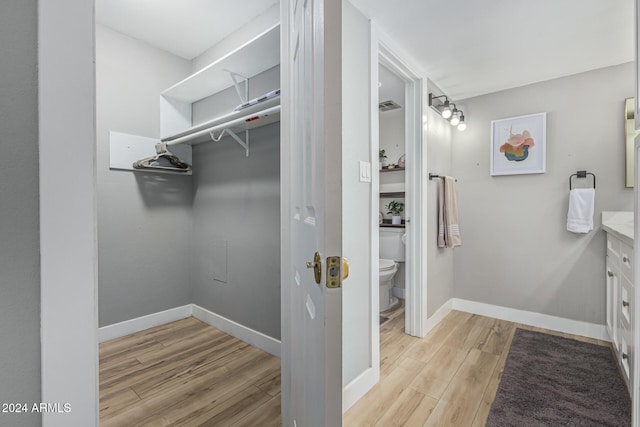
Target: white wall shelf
<point x="238" y="66"/>
<point x="248" y="60"/>
<point x="176" y="104"/>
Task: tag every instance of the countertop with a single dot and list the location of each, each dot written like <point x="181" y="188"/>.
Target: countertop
<point x="620" y="224"/>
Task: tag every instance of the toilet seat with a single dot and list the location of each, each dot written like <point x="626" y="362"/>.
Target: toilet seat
<point x="387" y="264"/>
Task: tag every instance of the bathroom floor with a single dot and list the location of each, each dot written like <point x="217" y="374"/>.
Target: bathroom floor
<point x="448" y="378"/>
<point x="393" y="313"/>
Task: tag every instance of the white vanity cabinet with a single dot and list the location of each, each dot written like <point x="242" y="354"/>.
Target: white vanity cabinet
<point x="620" y="295"/>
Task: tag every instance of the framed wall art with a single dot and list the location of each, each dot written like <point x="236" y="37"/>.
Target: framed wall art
<point x="518" y="145"/>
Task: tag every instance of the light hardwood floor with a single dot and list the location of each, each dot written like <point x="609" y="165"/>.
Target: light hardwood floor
<point x="187" y="373"/>
<point x="448" y="378"/>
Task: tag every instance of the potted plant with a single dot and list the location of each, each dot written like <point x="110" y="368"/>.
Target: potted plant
<point x="395" y="208"/>
<point x="383" y="159"/>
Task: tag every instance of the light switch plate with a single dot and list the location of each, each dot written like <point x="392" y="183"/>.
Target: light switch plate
<point x="365" y="171"/>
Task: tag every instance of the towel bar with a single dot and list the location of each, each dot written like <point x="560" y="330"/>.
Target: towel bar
<point x="433" y="175"/>
<point x="582" y="174"/>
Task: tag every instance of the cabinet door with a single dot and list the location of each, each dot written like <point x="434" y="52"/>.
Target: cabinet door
<point x="613" y="286"/>
<point x="625" y="358"/>
<point x="626" y="297"/>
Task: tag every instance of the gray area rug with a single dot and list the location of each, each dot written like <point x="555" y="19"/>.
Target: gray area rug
<point x="555" y="381"/>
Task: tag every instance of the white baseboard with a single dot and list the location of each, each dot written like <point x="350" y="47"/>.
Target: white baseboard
<point x="437" y="317"/>
<point x="554" y="323"/>
<point x="138" y="324"/>
<point x="357" y="388"/>
<point x="248" y="335"/>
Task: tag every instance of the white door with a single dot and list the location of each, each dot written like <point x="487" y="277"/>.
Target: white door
<point x="311" y="171"/>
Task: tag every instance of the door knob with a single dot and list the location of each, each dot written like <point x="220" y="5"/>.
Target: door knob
<point x="345" y="268"/>
<point x="316" y="264"/>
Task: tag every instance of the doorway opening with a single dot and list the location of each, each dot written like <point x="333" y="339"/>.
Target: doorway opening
<point x="397" y="129"/>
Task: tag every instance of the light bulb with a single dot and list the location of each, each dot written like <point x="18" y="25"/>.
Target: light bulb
<point x="455" y="119"/>
<point x="446" y="113"/>
<point x="462" y="125"/>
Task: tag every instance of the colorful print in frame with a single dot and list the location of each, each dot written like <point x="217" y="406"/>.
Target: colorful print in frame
<point x="518" y="145"/>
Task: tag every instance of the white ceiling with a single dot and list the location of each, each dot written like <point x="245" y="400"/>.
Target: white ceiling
<point x="470" y="47"/>
<point x="185" y="28"/>
<point x="467" y="47"/>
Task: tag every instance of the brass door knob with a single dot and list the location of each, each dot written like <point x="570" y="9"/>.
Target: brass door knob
<point x="345" y="268"/>
<point x="316" y="264"/>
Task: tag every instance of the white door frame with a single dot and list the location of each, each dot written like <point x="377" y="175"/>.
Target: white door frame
<point x="383" y="52"/>
<point x="635" y="395"/>
<point x="68" y="225"/>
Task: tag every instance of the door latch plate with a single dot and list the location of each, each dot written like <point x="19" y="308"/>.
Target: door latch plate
<point x="333" y="271"/>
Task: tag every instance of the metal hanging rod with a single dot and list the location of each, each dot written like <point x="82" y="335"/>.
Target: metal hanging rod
<point x="246" y="120"/>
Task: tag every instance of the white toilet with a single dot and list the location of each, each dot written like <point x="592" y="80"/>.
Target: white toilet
<point x="392" y="251"/>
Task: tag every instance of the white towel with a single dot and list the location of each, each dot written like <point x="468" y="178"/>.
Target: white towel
<point x="581" y="207"/>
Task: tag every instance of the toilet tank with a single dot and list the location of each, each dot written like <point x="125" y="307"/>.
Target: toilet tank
<point x="391" y="246"/>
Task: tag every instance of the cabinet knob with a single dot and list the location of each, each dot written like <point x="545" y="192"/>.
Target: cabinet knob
<point x="625" y="259"/>
<point x="625" y="303"/>
<point x="610" y="273"/>
<point x="625" y="356"/>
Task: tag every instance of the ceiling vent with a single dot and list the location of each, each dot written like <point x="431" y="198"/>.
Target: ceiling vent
<point x="388" y="106"/>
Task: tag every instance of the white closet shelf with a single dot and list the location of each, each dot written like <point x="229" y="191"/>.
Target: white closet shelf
<point x="252" y="58"/>
<point x="259" y="115"/>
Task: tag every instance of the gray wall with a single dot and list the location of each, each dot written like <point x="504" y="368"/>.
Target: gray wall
<point x="19" y="239"/>
<point x="236" y="218"/>
<point x="516" y="251"/>
<point x="237" y="205"/>
<point x="356" y="195"/>
<point x="144" y="219"/>
<point x="439" y="260"/>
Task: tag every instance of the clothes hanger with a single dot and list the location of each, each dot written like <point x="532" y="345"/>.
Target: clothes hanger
<point x="163" y="155"/>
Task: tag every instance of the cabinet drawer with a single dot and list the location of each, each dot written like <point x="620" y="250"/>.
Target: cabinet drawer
<point x="613" y="248"/>
<point x="626" y="261"/>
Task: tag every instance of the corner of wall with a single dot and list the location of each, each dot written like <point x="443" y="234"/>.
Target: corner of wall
<point x="438" y="158"/>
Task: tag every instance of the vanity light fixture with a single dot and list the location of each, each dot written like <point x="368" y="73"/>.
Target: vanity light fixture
<point x="448" y="110"/>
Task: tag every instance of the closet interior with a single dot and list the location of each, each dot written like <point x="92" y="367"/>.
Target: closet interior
<point x="189" y="186"/>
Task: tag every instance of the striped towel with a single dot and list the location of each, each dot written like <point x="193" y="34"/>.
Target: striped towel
<point x="448" y="227"/>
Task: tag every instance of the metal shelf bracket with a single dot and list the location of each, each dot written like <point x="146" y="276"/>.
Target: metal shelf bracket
<point x="244" y="144"/>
